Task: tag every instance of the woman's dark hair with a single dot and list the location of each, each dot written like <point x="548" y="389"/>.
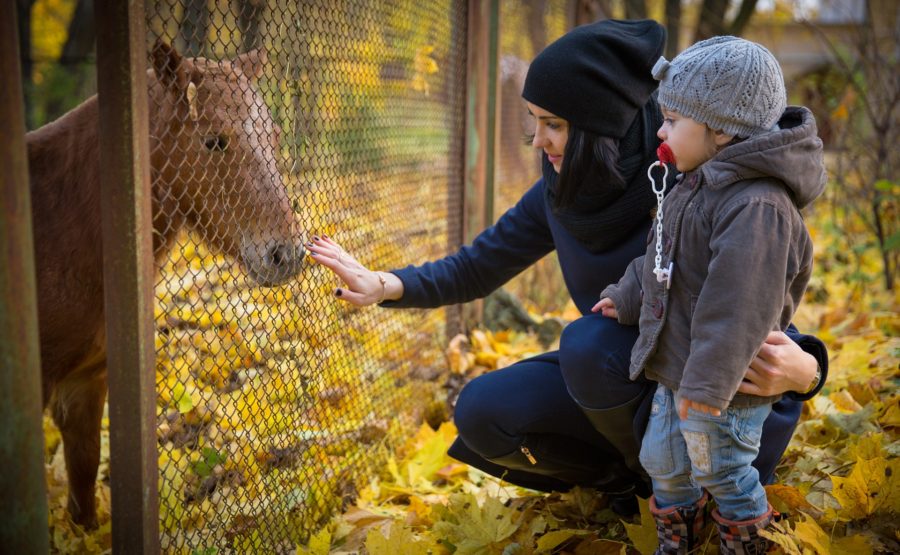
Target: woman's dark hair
<point x="589" y="159"/>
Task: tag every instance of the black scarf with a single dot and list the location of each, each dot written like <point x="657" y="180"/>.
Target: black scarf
<point x="602" y="215"/>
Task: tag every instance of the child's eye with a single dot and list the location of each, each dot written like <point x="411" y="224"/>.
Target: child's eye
<point x="670" y="121"/>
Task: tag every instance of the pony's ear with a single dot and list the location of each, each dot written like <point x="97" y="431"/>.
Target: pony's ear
<point x="252" y="63"/>
<point x="168" y="66"/>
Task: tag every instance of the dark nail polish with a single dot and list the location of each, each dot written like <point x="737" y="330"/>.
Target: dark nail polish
<point x="315" y="237"/>
<point x="325" y="236"/>
<point x="338" y="293"/>
<point x="311" y="253"/>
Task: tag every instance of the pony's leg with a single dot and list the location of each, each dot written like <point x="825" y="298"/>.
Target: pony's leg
<point x="77" y="411"/>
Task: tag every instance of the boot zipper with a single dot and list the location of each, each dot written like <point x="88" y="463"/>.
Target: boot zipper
<point x="528" y="454"/>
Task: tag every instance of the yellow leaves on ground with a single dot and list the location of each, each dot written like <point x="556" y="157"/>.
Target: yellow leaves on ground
<point x="643" y="535"/>
<point x="484" y="350"/>
<point x="427" y="456"/>
<point x="872" y="485"/>
<point x="399" y="541"/>
<point x="487" y="527"/>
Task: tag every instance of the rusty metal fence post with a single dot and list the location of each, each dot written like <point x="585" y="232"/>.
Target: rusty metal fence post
<point x="481" y="127"/>
<point x="23" y="528"/>
<point x="128" y="274"/>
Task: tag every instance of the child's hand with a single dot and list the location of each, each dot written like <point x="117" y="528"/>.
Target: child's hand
<point x="685" y="404"/>
<point x="606" y="307"/>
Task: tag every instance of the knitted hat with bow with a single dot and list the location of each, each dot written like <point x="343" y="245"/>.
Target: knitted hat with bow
<point x="728" y="83"/>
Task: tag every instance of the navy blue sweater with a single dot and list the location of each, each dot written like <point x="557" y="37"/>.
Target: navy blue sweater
<point x="523" y="235"/>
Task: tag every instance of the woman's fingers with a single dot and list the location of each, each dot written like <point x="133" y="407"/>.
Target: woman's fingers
<point x="352" y="297"/>
<point x="361" y="286"/>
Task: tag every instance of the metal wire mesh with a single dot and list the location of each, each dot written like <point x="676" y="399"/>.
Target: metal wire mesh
<point x="525" y="29"/>
<point x="298" y="118"/>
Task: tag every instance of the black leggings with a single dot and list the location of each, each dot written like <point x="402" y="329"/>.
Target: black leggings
<point x="498" y="411"/>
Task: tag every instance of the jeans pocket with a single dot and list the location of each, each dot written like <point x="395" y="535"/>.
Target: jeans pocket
<point x="656" y="448"/>
<point x="748" y="424"/>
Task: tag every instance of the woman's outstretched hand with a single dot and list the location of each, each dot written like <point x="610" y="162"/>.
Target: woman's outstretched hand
<point x="363" y="286"/>
<point x="780" y="366"/>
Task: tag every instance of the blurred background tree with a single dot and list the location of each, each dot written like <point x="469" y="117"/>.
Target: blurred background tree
<point x="840" y="57"/>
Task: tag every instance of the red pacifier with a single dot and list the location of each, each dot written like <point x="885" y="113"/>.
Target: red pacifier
<point x="665" y="154"/>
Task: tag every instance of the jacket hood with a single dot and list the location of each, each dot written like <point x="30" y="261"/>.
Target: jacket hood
<point x="792" y="154"/>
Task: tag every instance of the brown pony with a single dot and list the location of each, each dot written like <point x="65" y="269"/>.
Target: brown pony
<point x="213" y="166"/>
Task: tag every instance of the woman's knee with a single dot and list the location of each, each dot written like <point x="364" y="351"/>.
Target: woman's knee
<point x="595" y="355"/>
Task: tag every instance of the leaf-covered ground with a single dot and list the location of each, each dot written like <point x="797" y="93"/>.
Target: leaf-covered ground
<point x="838" y="481"/>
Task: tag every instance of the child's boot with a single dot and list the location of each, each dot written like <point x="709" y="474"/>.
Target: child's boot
<point x="679" y="528"/>
<point x="742" y="537"/>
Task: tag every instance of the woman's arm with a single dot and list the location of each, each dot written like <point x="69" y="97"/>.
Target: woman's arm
<point x="520" y="237"/>
<point x="787" y="363"/>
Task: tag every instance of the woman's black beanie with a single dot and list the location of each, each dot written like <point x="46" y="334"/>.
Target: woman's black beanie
<point x="597" y="76"/>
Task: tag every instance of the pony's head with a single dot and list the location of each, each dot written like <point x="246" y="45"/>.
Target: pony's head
<point x="214" y="149"/>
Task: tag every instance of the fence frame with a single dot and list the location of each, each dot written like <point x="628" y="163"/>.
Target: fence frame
<point x="128" y="277"/>
<point x="481" y="144"/>
<point x="23" y="528"/>
<point x="128" y="266"/>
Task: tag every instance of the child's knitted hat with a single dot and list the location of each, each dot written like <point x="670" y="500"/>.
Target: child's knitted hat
<point x="727" y="83"/>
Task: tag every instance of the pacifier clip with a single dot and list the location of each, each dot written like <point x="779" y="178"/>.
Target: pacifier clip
<point x="666" y="156"/>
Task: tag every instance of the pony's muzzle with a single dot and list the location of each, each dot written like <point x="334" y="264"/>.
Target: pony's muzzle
<point x="276" y="263"/>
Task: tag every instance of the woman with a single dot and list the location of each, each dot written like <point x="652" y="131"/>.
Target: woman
<point x="558" y="420"/>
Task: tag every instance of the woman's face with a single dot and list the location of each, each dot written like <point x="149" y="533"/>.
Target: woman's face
<point x="550" y="134"/>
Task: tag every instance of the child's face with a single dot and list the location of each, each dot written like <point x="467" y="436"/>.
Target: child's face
<point x="691" y="142"/>
<point x="551" y="133"/>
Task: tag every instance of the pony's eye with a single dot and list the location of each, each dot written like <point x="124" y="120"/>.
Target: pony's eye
<point x="215" y="142"/>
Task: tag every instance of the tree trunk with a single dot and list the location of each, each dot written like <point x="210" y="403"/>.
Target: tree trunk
<point x="635" y="9"/>
<point x="536" y="26"/>
<point x="81" y="36"/>
<point x="23" y="19"/>
<point x="194" y="28"/>
<point x="589" y="11"/>
<point x="745" y="13"/>
<point x="249" y="15"/>
<point x="673" y="27"/>
<point x="712" y="19"/>
<point x="74" y="61"/>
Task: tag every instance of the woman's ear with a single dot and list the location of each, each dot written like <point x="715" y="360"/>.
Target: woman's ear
<point x="722" y="138"/>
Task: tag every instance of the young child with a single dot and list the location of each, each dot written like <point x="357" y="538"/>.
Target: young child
<point x="728" y="262"/>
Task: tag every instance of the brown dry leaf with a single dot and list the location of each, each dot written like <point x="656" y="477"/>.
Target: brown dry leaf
<point x="787" y="498"/>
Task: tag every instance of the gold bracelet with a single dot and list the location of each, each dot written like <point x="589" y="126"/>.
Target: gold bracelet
<point x="816" y="380"/>
<point x="383" y="287"/>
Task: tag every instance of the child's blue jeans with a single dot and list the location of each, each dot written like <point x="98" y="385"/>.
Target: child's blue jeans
<point x="683" y="457"/>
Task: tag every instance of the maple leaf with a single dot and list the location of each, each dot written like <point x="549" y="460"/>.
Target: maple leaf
<point x="319" y="544"/>
<point x="474" y="528"/>
<point x="400" y="541"/>
<point x="869" y="486"/>
<point x="786" y="498"/>
<point x="643" y="535"/>
<point x="808" y="531"/>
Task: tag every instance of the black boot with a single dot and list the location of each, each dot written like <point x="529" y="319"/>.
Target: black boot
<point x="617" y="426"/>
<point x="561" y="459"/>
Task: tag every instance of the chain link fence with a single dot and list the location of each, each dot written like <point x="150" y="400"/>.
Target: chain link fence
<point x="285" y="120"/>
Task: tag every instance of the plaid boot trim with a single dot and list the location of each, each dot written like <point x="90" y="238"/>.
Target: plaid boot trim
<point x="677" y="528"/>
<point x="742" y="537"/>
